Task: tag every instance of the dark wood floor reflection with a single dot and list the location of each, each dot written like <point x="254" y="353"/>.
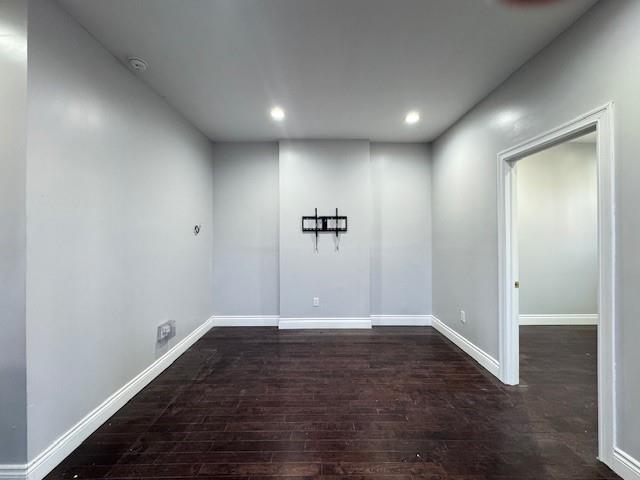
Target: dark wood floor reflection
<point x="398" y="403"/>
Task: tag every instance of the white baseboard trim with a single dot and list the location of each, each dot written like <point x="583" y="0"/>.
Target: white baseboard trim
<point x="320" y="322"/>
<point x="13" y="472"/>
<point x="324" y="322"/>
<point x="46" y="461"/>
<point x="475" y="352"/>
<point x="401" y="320"/>
<point x="625" y="465"/>
<point x="245" y="320"/>
<point x="560" y="319"/>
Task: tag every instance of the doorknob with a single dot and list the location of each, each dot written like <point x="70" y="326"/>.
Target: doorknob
<point x="517" y="284"/>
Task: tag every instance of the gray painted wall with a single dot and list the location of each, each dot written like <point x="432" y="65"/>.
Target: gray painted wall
<point x="246" y="224"/>
<point x="401" y="245"/>
<point x="13" y="98"/>
<point x="594" y="62"/>
<point x="558" y="230"/>
<point x="116" y="182"/>
<point x="325" y="174"/>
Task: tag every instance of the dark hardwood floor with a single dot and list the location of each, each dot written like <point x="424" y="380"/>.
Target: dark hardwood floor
<point x="398" y="403"/>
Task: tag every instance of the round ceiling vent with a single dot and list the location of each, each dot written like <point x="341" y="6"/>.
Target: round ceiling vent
<point x="137" y="64"/>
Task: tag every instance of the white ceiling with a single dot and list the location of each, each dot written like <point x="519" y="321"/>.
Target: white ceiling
<point x="339" y="68"/>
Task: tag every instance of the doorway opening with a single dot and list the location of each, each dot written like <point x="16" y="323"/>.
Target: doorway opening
<point x="557" y="225"/>
<point x="588" y="292"/>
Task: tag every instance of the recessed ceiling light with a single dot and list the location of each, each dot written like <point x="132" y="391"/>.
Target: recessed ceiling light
<point x="412" y="117"/>
<point x="277" y="114"/>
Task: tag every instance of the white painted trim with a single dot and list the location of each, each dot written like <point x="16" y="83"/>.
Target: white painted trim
<point x="560" y="319"/>
<point x="401" y="320"/>
<point x="13" y="472"/>
<point x="602" y="119"/>
<point x="475" y="352"/>
<point x="47" y="460"/>
<point x="324" y="322"/>
<point x="625" y="465"/>
<point x="245" y="320"/>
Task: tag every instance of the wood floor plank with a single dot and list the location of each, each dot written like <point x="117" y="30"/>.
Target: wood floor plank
<point x="387" y="403"/>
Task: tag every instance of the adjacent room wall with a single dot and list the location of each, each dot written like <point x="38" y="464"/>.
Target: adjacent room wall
<point x="401" y="225"/>
<point x="116" y="182"/>
<point x="246" y="224"/>
<point x="558" y="231"/>
<point x="325" y="174"/>
<point x="13" y="101"/>
<point x="592" y="63"/>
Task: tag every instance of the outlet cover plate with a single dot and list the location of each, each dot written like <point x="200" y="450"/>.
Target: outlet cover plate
<point x="166" y="331"/>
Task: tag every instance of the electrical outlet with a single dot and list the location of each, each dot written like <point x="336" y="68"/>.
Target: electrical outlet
<point x="166" y="331"/>
<point x="316" y="301"/>
<point x="463" y="316"/>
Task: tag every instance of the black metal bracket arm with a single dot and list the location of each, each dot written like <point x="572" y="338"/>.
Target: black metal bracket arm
<point x="324" y="224"/>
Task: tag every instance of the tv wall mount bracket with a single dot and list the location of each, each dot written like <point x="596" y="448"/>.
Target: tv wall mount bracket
<point x="335" y="224"/>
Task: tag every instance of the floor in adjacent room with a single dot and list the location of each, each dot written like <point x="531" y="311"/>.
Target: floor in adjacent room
<point x="384" y="403"/>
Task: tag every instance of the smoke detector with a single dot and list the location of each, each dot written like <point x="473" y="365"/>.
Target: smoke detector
<point x="137" y="64"/>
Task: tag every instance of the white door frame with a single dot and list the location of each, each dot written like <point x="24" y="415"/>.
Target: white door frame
<point x="602" y="119"/>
